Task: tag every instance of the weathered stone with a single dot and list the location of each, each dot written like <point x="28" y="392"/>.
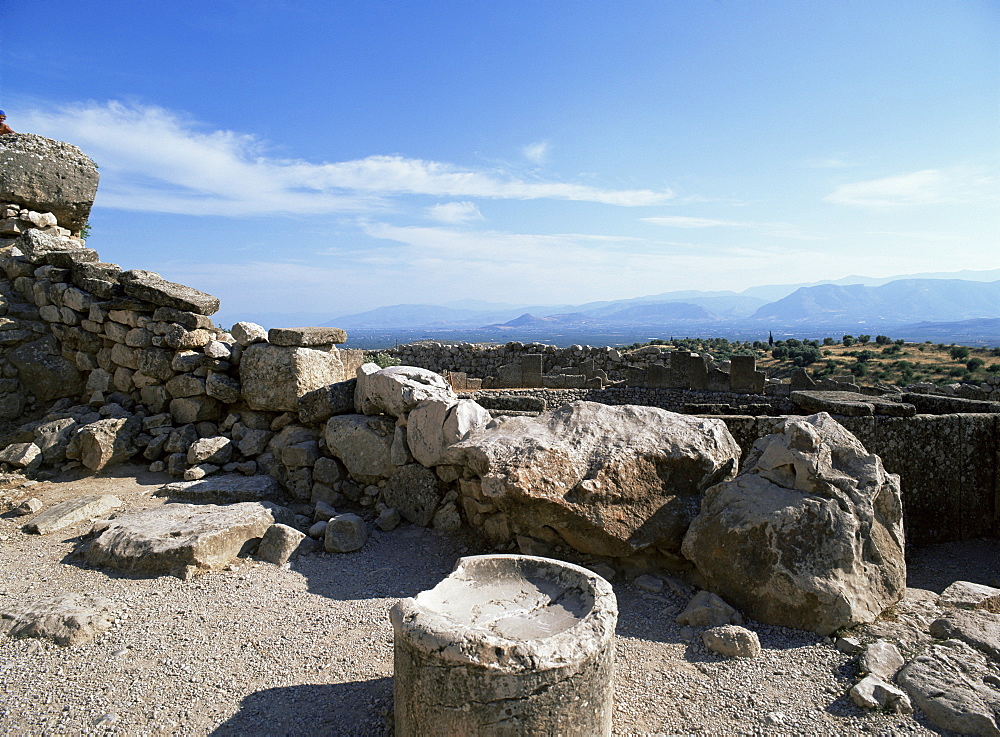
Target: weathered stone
<point x="956" y="686"/>
<point x="44" y="371"/>
<point x="809" y="535"/>
<point x="28" y="507"/>
<point x="279" y="544"/>
<point x="329" y="471"/>
<point x="345" y="533"/>
<point x="321" y="404"/>
<point x="301" y="454"/>
<point x="850" y="404"/>
<point x="188" y="320"/>
<point x="732" y="641"/>
<point x="67" y="619"/>
<point x="397" y="389"/>
<point x="363" y="444"/>
<point x="51" y="176"/>
<point x="169" y="538"/>
<point x="72" y="511"/>
<point x="151" y="287"/>
<point x="415" y="491"/>
<point x="872" y="692"/>
<point x="434" y="424"/>
<point x="186" y="410"/>
<point x="968" y="595"/>
<point x="609" y="480"/>
<point x="224" y="489"/>
<point x="274" y="378"/>
<point x="881" y="659"/>
<point x="186" y="385"/>
<point x="253" y="442"/>
<point x="183" y="339"/>
<point x="22" y="455"/>
<point x="248" y="333"/>
<point x="305" y="337"/>
<point x="388" y="519"/>
<point x="155" y="362"/>
<point x="222" y="387"/>
<point x="708" y="610"/>
<point x="506" y="645"/>
<point x="978" y="628"/>
<point x="105" y="442"/>
<point x="217" y="450"/>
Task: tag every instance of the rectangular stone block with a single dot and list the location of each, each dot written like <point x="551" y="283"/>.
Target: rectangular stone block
<point x="680" y="369"/>
<point x="979" y="443"/>
<point x="508" y="377"/>
<point x="274" y="377"/>
<point x="742" y="374"/>
<point x="698" y="373"/>
<point x="305" y="337"/>
<point x="717" y="380"/>
<point x="531" y="370"/>
<point x="151" y="287"/>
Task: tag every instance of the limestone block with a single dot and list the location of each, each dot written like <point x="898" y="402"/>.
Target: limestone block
<point x="305" y="337"/>
<point x="22" y="455"/>
<point x="809" y="535"/>
<point x="608" y="480"/>
<point x="363" y="444"/>
<point x="248" y="333"/>
<point x="216" y="450"/>
<point x="44" y="372"/>
<point x="72" y="511"/>
<point x="415" y="491"/>
<point x="186" y="410"/>
<point x="48" y="175"/>
<point x="67" y="619"/>
<point x="321" y="404"/>
<point x="105" y="442"/>
<point x="151" y="287"/>
<point x="224" y="489"/>
<point x="274" y="378"/>
<point x="224" y="388"/>
<point x="168" y="538"/>
<point x="279" y="544"/>
<point x="397" y="389"/>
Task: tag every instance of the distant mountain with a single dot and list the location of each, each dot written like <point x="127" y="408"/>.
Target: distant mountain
<point x="897" y="302"/>
<point x="979" y="331"/>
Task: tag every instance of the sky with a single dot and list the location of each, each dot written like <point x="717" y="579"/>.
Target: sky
<point x="332" y="157"/>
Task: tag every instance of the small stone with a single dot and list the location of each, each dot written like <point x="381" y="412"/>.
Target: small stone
<point x="318" y="530"/>
<point x="881" y="659"/>
<point x="345" y="533"/>
<point x="28" y="506"/>
<point x="708" y="610"/>
<point x="871" y="692"/>
<point x="647" y="582"/>
<point x="732" y="641"/>
<point x="323" y="512"/>
<point x="848" y="645"/>
<point x="388" y="519"/>
<point x="279" y="544"/>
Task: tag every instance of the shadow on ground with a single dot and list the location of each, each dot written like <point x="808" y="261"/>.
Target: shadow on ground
<point x="357" y="708"/>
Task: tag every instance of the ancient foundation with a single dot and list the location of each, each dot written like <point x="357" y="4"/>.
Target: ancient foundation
<point x="506" y="645"/>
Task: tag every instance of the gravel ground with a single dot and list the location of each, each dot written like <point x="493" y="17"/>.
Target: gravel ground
<point x="307" y="648"/>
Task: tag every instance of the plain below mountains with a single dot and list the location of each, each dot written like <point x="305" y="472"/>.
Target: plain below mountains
<point x="885" y="304"/>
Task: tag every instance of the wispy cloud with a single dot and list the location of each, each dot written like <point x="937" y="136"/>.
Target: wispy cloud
<point x="926" y="187"/>
<point x="536" y="152"/>
<point x="455" y="212"/>
<point x="156" y="160"/>
<point x="779" y="230"/>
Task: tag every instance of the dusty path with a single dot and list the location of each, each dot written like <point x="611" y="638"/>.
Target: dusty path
<point x="308" y="649"/>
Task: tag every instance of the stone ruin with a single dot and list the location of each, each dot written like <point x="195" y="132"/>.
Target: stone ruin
<point x="283" y="443"/>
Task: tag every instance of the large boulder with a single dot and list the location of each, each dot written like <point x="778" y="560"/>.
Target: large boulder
<point x="150" y="286"/>
<point x="44" y="371"/>
<point x="50" y="176"/>
<point x="275" y="378"/>
<point x="809" y="535"/>
<point x="170" y="538"/>
<point x="397" y="389"/>
<point x="609" y="480"/>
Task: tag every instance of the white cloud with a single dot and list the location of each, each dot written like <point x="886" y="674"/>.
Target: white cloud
<point x="536" y="152"/>
<point x="455" y="212"/>
<point x="155" y="160"/>
<point x="926" y="187"/>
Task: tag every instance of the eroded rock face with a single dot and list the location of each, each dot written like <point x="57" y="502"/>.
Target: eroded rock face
<point x="609" y="480"/>
<point x="364" y="445"/>
<point x="435" y="424"/>
<point x="68" y="619"/>
<point x="44" y="371"/>
<point x="170" y="538"/>
<point x="48" y="175"/>
<point x="105" y="442"/>
<point x="809" y="535"/>
<point x="397" y="389"/>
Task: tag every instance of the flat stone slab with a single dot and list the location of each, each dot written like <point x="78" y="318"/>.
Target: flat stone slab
<point x="225" y="489"/>
<point x="850" y="404"/>
<point x="968" y="595"/>
<point x="68" y="619"/>
<point x="72" y="511"/>
<point x="172" y="537"/>
<point x="151" y="287"/>
<point x="956" y="687"/>
<point x="981" y="629"/>
<point x="306" y="336"/>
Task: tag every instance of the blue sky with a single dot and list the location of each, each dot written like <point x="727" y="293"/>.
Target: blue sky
<point x="331" y="157"/>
